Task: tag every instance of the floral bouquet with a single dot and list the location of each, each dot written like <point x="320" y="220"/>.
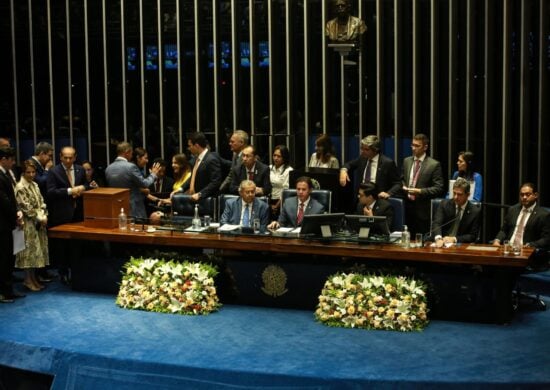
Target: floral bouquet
<point x="373" y="302"/>
<point x="168" y="287"/>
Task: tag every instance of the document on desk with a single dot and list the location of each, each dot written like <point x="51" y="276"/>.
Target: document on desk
<point x="228" y="228"/>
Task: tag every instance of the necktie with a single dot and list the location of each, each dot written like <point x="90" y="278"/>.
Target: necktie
<point x="366" y="176"/>
<point x="246" y="216"/>
<point x="300" y="215"/>
<point x="192" y="184"/>
<point x="69" y="177"/>
<point x="414" y="178"/>
<point x="454" y="229"/>
<point x="157" y="185"/>
<point x="250" y="175"/>
<point x="518" y="240"/>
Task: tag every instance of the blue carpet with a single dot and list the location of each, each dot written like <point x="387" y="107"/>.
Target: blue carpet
<point x="87" y="342"/>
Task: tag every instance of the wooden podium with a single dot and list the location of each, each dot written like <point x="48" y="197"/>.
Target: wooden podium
<point x="102" y="206"/>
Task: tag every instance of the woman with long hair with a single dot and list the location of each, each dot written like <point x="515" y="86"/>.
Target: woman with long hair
<point x="279" y="174"/>
<point x="324" y="154"/>
<point x="466" y="167"/>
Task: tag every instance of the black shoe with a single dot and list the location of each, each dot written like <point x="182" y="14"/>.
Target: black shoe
<point x="3" y="299"/>
<point x="44" y="279"/>
<point x="15" y="295"/>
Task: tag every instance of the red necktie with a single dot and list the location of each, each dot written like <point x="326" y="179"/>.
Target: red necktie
<point x="250" y="175"/>
<point x="300" y="214"/>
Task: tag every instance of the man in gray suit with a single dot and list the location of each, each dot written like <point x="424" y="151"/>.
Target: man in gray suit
<point x="124" y="174"/>
<point x="243" y="210"/>
<point x="422" y="181"/>
<point x="296" y="207"/>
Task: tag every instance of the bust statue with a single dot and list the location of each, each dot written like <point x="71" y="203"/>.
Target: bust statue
<point x="344" y="28"/>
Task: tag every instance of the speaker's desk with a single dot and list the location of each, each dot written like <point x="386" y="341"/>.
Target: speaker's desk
<point x="504" y="268"/>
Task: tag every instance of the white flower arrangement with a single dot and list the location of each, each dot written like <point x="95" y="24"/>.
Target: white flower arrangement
<point x="168" y="287"/>
<point x="373" y="302"/>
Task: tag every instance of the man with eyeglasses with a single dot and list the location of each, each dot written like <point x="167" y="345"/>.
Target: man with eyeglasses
<point x="422" y="181"/>
<point x="526" y="223"/>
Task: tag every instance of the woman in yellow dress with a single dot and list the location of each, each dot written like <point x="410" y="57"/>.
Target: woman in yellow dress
<point x="35" y="217"/>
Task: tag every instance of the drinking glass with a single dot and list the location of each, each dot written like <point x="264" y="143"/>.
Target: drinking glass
<point x="506" y="247"/>
<point x="418" y="240"/>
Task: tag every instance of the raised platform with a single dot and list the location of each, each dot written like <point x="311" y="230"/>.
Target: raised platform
<point x="87" y="342"/>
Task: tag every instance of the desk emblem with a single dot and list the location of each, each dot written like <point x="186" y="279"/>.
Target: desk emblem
<point x="274" y="278"/>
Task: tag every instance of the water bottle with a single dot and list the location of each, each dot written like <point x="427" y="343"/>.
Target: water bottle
<point x="122" y="220"/>
<point x="405" y="237"/>
<point x="196" y="219"/>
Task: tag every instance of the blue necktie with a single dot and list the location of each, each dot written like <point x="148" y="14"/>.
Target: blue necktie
<point x="246" y="216"/>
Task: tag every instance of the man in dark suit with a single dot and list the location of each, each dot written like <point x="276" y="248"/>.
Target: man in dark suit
<point x="65" y="185"/>
<point x="243" y="210"/>
<point x="422" y="181"/>
<point x="296" y="207"/>
<point x="526" y="223"/>
<point x="373" y="166"/>
<point x="42" y="160"/>
<point x="369" y="204"/>
<point x="237" y="142"/>
<point x="10" y="217"/>
<point x="206" y="176"/>
<point x="253" y="170"/>
<point x="163" y="184"/>
<point x="457" y="219"/>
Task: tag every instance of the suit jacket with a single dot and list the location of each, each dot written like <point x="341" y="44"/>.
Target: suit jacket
<point x="261" y="177"/>
<point x="8" y="205"/>
<point x="382" y="208"/>
<point x="468" y="230"/>
<point x="208" y="177"/>
<point x="41" y="177"/>
<point x="235" y="162"/>
<point x="430" y="180"/>
<point x="166" y="186"/>
<point x="289" y="211"/>
<point x="387" y="178"/>
<point x="124" y="174"/>
<point x="537" y="230"/>
<point x="62" y="207"/>
<point x="233" y="209"/>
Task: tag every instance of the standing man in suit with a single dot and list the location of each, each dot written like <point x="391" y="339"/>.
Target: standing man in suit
<point x="10" y="217"/>
<point x="373" y="166"/>
<point x="206" y="176"/>
<point x="243" y="210"/>
<point x="254" y="170"/>
<point x="237" y="142"/>
<point x="122" y="173"/>
<point x="43" y="161"/>
<point x="294" y="208"/>
<point x="370" y="204"/>
<point x="526" y="223"/>
<point x="457" y="219"/>
<point x="65" y="185"/>
<point x="422" y="181"/>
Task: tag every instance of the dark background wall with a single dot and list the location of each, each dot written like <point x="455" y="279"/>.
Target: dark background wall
<point x="472" y="74"/>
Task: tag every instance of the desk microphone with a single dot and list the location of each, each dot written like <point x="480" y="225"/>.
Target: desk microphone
<point x="429" y="234"/>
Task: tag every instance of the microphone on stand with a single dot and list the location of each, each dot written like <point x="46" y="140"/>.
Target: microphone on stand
<point x="429" y="234"/>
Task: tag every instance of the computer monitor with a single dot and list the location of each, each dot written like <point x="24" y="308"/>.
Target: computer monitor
<point x="366" y="226"/>
<point x="321" y="225"/>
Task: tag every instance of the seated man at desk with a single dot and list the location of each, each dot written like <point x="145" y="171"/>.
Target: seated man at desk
<point x="526" y="223"/>
<point x="253" y="170"/>
<point x="244" y="209"/>
<point x="457" y="219"/>
<point x="294" y="208"/>
<point x="369" y="204"/>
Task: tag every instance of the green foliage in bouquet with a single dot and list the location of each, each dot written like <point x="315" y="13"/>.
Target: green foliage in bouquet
<point x="168" y="286"/>
<point x="373" y="302"/>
